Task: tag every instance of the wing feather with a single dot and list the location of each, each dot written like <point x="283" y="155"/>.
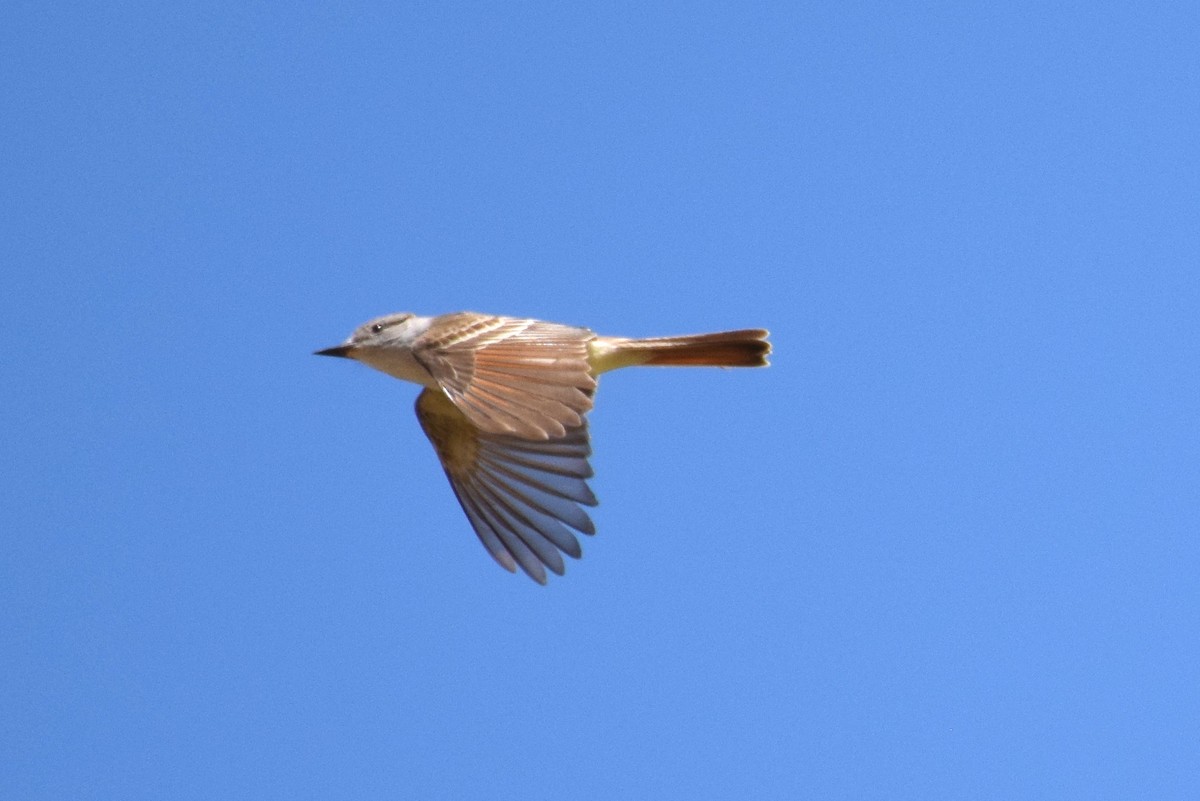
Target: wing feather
<point x="510" y="375"/>
<point x="521" y="496"/>
<point x="513" y="543"/>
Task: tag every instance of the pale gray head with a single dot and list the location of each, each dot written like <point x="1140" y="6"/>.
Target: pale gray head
<point x="385" y="343"/>
<point x="381" y="332"/>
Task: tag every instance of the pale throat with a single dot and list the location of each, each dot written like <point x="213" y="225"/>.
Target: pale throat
<point x="397" y="362"/>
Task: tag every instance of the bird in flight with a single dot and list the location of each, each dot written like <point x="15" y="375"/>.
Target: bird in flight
<point x="505" y="403"/>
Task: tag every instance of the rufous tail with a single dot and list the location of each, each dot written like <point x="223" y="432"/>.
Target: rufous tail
<point x="746" y="348"/>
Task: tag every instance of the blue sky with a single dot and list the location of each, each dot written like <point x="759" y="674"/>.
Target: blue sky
<point x="945" y="547"/>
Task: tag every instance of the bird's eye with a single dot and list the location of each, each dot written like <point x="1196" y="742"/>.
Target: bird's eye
<point x="377" y="327"/>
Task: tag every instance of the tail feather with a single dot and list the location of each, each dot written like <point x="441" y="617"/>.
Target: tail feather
<point x="745" y="348"/>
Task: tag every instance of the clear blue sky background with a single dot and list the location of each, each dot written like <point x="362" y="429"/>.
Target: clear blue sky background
<point x="945" y="547"/>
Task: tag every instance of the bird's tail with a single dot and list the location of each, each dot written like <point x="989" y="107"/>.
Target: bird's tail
<point x="745" y="348"/>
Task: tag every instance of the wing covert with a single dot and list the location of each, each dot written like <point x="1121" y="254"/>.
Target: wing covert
<point x="511" y="376"/>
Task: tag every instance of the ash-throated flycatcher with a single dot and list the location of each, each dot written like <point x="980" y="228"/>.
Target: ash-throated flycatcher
<point x="504" y="405"/>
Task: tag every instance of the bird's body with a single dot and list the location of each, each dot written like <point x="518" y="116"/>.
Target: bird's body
<point x="504" y="405"/>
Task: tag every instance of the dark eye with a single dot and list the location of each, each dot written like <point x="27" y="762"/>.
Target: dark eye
<point x="377" y="327"/>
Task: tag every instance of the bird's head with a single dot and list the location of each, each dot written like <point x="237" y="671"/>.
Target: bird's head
<point x="389" y="331"/>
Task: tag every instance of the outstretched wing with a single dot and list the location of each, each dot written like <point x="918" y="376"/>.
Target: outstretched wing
<point x="511" y="376"/>
<point x="522" y="496"/>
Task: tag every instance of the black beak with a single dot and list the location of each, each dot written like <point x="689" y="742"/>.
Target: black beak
<point x="339" y="350"/>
